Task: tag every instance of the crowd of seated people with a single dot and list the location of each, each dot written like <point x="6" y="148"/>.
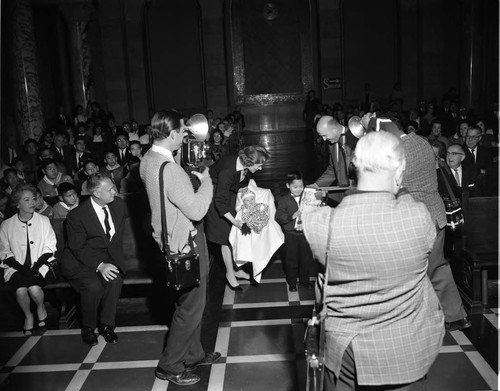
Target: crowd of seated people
<point x="447" y="124"/>
<point x="73" y="148"/>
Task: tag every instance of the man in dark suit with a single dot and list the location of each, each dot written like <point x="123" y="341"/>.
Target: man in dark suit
<point x="77" y="157"/>
<point x="476" y="155"/>
<point x="121" y="148"/>
<point x="110" y="133"/>
<point x="10" y="150"/>
<point x="60" y="121"/>
<point x="337" y="172"/>
<point x="464" y="182"/>
<point x="462" y="179"/>
<point x="61" y="151"/>
<point x="93" y="261"/>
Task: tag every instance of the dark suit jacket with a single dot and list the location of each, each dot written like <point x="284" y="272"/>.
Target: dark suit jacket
<point x="32" y="168"/>
<point x="87" y="245"/>
<point x="471" y="183"/>
<point x="483" y="158"/>
<point x="123" y="161"/>
<point x="6" y="155"/>
<point x="287" y="206"/>
<point x="71" y="161"/>
<point x="64" y="160"/>
<point x="59" y="123"/>
<point x="226" y="181"/>
<point x="336" y="172"/>
<point x="108" y="137"/>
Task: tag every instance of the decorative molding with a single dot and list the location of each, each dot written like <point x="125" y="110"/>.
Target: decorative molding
<point x="233" y="13"/>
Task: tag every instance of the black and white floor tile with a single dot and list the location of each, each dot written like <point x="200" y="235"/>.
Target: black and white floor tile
<point x="260" y="335"/>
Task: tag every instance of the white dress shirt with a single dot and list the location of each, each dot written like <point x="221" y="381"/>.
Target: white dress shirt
<point x="100" y="215"/>
<point x="458" y="172"/>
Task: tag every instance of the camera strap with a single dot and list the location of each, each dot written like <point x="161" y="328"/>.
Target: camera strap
<point x="164" y="232"/>
<point x="324" y="310"/>
<point x="448" y="187"/>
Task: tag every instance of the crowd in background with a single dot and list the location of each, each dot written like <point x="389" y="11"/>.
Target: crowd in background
<point x="74" y="147"/>
<point x="443" y="123"/>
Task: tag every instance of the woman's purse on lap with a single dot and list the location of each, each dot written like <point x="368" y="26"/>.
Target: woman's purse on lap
<point x="182" y="269"/>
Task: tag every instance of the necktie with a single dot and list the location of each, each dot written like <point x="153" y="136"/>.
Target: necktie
<point x="457" y="177"/>
<point x="78" y="156"/>
<point x="106" y="222"/>
<point x="61" y="152"/>
<point x="473" y="156"/>
<point x="27" y="261"/>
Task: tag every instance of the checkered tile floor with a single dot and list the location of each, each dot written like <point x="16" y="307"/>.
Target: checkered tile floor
<point x="259" y="335"/>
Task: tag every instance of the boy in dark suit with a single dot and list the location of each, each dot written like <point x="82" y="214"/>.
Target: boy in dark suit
<point x="298" y="256"/>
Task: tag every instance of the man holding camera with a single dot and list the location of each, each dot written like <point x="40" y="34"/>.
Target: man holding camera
<point x="337" y="171"/>
<point x="183" y="351"/>
<point x="383" y="324"/>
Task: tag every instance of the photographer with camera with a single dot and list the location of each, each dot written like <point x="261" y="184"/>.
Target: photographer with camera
<point x="382" y="321"/>
<point x="184" y="207"/>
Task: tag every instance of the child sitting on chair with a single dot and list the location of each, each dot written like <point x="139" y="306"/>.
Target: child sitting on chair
<point x="42" y="207"/>
<point x="68" y="200"/>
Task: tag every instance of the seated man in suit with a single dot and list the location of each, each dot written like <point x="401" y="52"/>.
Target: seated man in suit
<point x="93" y="261"/>
<point x="77" y="157"/>
<point x="476" y="155"/>
<point x="61" y="150"/>
<point x="121" y="151"/>
<point x="462" y="179"/>
<point x="464" y="182"/>
<point x="10" y="150"/>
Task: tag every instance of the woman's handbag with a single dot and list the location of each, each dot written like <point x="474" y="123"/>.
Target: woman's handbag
<point x="314" y="338"/>
<point x="183" y="269"/>
<point x="453" y="206"/>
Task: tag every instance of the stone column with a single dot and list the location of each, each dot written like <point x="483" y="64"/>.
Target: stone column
<point x="29" y="111"/>
<point x="77" y="17"/>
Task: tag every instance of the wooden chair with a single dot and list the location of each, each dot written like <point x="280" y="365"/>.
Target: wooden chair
<point x="477" y="252"/>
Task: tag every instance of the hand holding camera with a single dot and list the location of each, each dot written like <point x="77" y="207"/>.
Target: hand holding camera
<point x="203" y="175"/>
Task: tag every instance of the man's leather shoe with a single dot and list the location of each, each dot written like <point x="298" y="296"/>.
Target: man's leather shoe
<point x="181" y="379"/>
<point x="292" y="288"/>
<point x="108" y="334"/>
<point x="461" y="324"/>
<point x="306" y="285"/>
<point x="88" y="336"/>
<point x="209" y="359"/>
